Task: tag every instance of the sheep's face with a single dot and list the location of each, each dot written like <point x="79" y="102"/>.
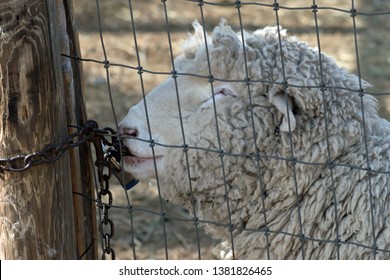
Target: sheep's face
<point x="156" y="122"/>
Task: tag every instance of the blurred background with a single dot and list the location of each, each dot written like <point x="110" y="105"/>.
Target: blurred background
<point x="116" y="36"/>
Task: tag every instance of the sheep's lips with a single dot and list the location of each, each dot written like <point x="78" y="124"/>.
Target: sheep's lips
<point x="138" y="162"/>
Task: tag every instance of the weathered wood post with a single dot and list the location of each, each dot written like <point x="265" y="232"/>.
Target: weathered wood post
<point x="81" y="160"/>
<point x="36" y="205"/>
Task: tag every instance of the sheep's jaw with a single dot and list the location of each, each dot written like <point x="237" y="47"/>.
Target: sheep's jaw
<point x="142" y="167"/>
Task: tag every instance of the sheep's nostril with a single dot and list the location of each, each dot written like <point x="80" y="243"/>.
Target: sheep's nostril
<point x="130" y="131"/>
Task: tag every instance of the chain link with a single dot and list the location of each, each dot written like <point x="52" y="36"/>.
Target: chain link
<point x="104" y="167"/>
<point x="107" y="158"/>
<point x="51" y="153"/>
<point x="106" y="222"/>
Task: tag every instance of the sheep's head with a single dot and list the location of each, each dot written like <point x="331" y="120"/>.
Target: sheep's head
<point x="212" y="83"/>
<point x="159" y="118"/>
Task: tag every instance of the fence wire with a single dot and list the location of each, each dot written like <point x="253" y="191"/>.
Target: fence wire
<point x="270" y="7"/>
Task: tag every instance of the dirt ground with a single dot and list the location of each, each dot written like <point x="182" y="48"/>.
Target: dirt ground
<point x="117" y="36"/>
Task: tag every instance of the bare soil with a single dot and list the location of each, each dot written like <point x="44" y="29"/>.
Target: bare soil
<point x="142" y="232"/>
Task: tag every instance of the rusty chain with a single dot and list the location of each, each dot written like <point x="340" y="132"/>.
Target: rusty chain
<point x="104" y="165"/>
<point x="107" y="162"/>
<point x="51" y="153"/>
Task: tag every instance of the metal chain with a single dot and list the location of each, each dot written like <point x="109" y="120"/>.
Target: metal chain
<point x="106" y="224"/>
<point x="107" y="158"/>
<point x="51" y="153"/>
<point x="104" y="162"/>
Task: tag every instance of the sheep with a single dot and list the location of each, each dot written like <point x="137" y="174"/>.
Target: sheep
<point x="277" y="146"/>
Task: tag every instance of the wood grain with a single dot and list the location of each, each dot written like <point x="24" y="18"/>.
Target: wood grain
<point x="36" y="207"/>
<point x="80" y="157"/>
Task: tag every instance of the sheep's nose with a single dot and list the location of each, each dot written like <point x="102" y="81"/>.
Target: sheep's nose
<point x="129" y="131"/>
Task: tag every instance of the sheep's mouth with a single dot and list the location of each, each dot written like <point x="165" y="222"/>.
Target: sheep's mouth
<point x="142" y="167"/>
<point x="125" y="151"/>
<point x="131" y="158"/>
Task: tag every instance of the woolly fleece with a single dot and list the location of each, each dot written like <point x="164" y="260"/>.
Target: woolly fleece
<point x="298" y="154"/>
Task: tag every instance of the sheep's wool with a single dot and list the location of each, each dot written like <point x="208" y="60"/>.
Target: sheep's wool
<point x="285" y="154"/>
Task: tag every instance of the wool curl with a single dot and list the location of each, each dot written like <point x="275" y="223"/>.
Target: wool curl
<point x="300" y="170"/>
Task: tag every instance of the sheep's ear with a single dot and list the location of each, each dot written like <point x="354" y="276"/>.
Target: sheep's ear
<point x="284" y="104"/>
<point x="196" y="40"/>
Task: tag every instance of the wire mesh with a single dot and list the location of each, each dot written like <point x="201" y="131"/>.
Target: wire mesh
<point x="238" y="12"/>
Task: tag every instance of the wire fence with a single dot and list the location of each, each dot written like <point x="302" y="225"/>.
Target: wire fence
<point x="300" y="243"/>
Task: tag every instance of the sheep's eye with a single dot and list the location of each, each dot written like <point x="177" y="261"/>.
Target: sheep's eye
<point x="225" y="92"/>
<point x="217" y="95"/>
<point x="221" y="91"/>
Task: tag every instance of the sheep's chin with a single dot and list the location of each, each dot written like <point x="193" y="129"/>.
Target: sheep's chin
<point x="142" y="168"/>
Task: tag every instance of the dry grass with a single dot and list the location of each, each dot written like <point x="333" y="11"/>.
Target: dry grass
<point x="336" y="37"/>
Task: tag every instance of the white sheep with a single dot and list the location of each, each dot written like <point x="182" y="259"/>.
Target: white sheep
<point x="292" y="163"/>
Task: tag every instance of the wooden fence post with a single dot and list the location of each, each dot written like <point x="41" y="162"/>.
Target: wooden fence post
<point x="36" y="206"/>
<point x="81" y="159"/>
